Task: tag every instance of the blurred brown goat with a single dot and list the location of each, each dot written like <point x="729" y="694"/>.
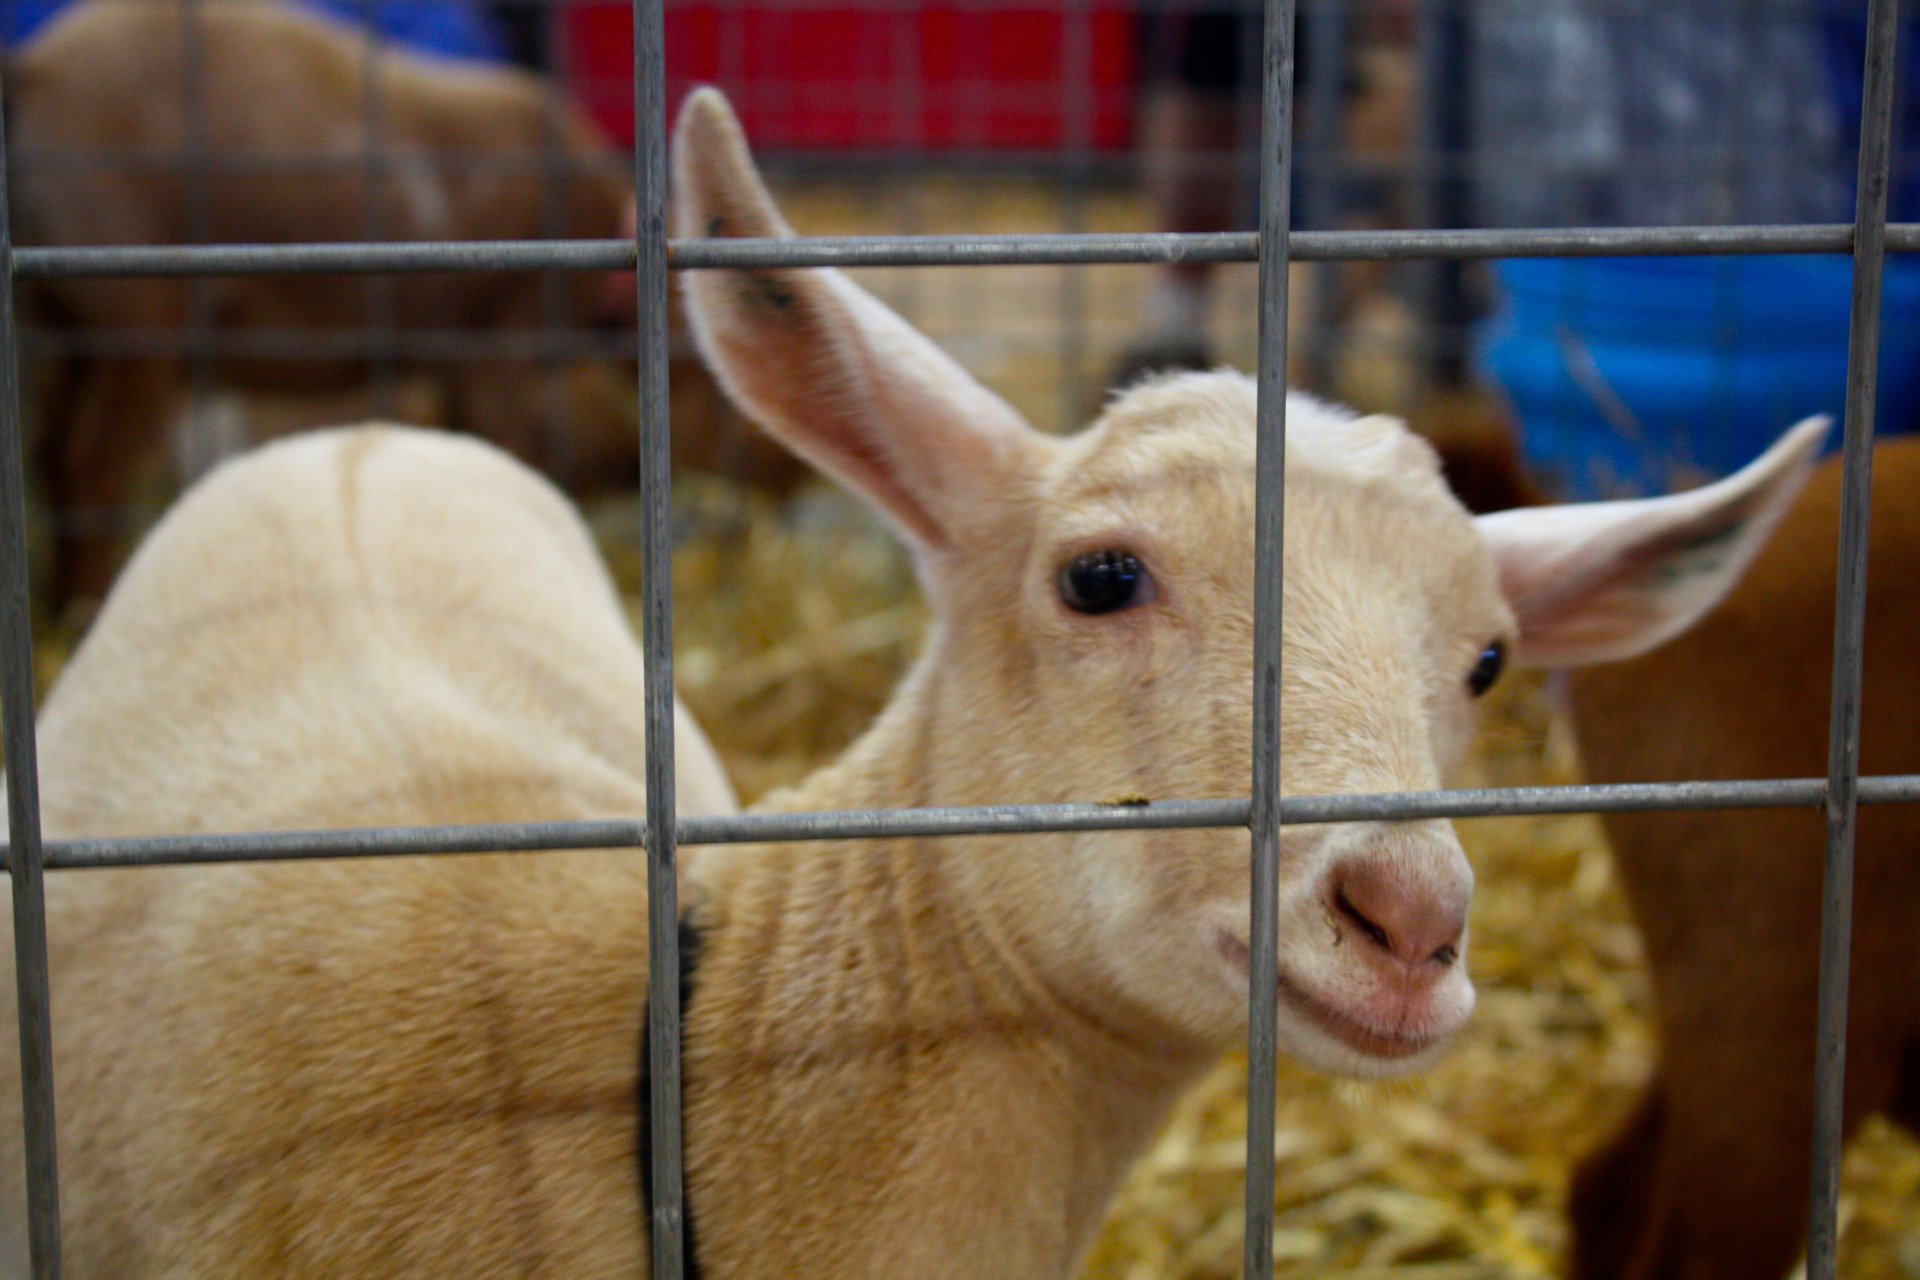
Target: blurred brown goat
<point x="1479" y="446"/>
<point x="102" y="113"/>
<point x="1709" y="1176"/>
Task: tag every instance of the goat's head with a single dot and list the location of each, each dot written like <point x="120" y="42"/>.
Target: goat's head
<point x="1093" y="632"/>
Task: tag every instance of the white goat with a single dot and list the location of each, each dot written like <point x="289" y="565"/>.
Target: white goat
<point x="903" y="1057"/>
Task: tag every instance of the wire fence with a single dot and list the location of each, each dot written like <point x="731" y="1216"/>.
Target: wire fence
<point x="1868" y="241"/>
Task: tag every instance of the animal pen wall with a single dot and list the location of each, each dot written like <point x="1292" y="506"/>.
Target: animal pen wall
<point x="979" y="162"/>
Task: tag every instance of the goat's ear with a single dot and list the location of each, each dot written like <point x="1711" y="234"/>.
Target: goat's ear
<point x="1592" y="582"/>
<point x="825" y="366"/>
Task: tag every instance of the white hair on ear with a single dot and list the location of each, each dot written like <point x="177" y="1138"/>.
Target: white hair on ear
<point x="1599" y="581"/>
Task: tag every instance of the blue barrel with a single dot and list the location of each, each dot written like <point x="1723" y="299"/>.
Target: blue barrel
<point x="1638" y="375"/>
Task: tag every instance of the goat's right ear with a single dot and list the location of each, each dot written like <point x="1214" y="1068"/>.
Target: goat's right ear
<point x="1598" y="581"/>
<point x="825" y="366"/>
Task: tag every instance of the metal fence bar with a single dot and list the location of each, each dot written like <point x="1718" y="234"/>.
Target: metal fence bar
<point x="451" y="346"/>
<point x="1849" y="638"/>
<point x="1269" y="527"/>
<point x="980" y="820"/>
<point x="937" y="251"/>
<point x="896" y="158"/>
<point x="240" y="161"/>
<point x="23" y="794"/>
<point x="667" y="1228"/>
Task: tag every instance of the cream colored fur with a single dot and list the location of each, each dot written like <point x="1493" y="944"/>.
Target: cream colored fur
<point x="348" y="629"/>
<point x="904" y="1057"/>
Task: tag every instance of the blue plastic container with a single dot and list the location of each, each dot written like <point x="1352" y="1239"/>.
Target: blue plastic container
<point x="1639" y="375"/>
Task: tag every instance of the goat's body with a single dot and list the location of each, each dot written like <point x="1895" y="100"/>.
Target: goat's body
<point x="429" y="1066"/>
<point x="354" y="629"/>
<point x="1709" y="1178"/>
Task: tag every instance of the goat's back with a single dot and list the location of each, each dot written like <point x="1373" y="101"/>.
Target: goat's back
<point x="403" y="1066"/>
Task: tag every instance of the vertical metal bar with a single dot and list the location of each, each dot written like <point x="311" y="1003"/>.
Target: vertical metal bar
<point x="23" y="791"/>
<point x="663" y="915"/>
<point x="1276" y="176"/>
<point x="1849" y="635"/>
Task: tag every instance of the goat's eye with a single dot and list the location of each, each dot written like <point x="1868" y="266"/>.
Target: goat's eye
<point x="1493" y="660"/>
<point x="1104" y="582"/>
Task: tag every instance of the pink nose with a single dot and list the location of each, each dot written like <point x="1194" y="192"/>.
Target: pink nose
<point x="1417" y="917"/>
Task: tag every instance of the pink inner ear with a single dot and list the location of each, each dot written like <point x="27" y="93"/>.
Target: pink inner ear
<point x="1613" y="592"/>
<point x="831" y="411"/>
<point x="825" y="366"/>
<point x="1650" y="568"/>
<point x="873" y="471"/>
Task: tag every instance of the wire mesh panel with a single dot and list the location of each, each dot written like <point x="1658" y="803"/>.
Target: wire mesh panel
<point x="1274" y="245"/>
<point x="24" y="855"/>
<point x="1849" y="642"/>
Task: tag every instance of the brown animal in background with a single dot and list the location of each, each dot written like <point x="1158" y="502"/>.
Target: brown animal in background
<point x="463" y="143"/>
<point x="916" y="1058"/>
<point x="1709" y="1176"/>
<point x="1479" y="446"/>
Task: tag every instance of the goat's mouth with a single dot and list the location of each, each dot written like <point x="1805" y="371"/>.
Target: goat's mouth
<point x="1369" y="1039"/>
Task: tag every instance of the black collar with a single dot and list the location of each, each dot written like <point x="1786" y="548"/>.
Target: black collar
<point x="689" y="961"/>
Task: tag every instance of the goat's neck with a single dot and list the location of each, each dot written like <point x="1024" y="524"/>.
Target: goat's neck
<point x="880" y="1076"/>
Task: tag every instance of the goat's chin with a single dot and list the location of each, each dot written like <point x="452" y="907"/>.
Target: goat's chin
<point x="1307" y="1043"/>
<point x="1333" y="1035"/>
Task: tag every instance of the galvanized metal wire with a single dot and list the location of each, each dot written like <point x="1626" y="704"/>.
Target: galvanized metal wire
<point x="975" y="820"/>
<point x="1144" y="248"/>
<point x="1849" y="639"/>
<point x="667" y="1230"/>
<point x="24" y="864"/>
<point x="1269" y="531"/>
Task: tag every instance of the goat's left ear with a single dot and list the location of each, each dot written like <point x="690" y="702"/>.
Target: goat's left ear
<point x="1598" y="581"/>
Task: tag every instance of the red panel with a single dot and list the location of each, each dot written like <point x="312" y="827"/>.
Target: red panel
<point x="833" y="79"/>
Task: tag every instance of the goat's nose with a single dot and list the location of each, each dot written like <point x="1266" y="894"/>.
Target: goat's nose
<point x="1414" y="916"/>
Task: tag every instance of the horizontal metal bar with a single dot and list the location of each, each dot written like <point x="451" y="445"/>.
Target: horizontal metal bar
<point x="983" y="820"/>
<point x="324" y="259"/>
<point x="450" y="346"/>
<point x="352" y="842"/>
<point x="294" y="161"/>
<point x="1243" y="246"/>
<point x="931" y="251"/>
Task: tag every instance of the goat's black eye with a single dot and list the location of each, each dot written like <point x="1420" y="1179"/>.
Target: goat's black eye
<point x="1493" y="659"/>
<point x="1104" y="582"/>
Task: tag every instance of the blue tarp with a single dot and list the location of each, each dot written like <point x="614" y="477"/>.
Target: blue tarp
<point x="1632" y="375"/>
<point x="451" y="28"/>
